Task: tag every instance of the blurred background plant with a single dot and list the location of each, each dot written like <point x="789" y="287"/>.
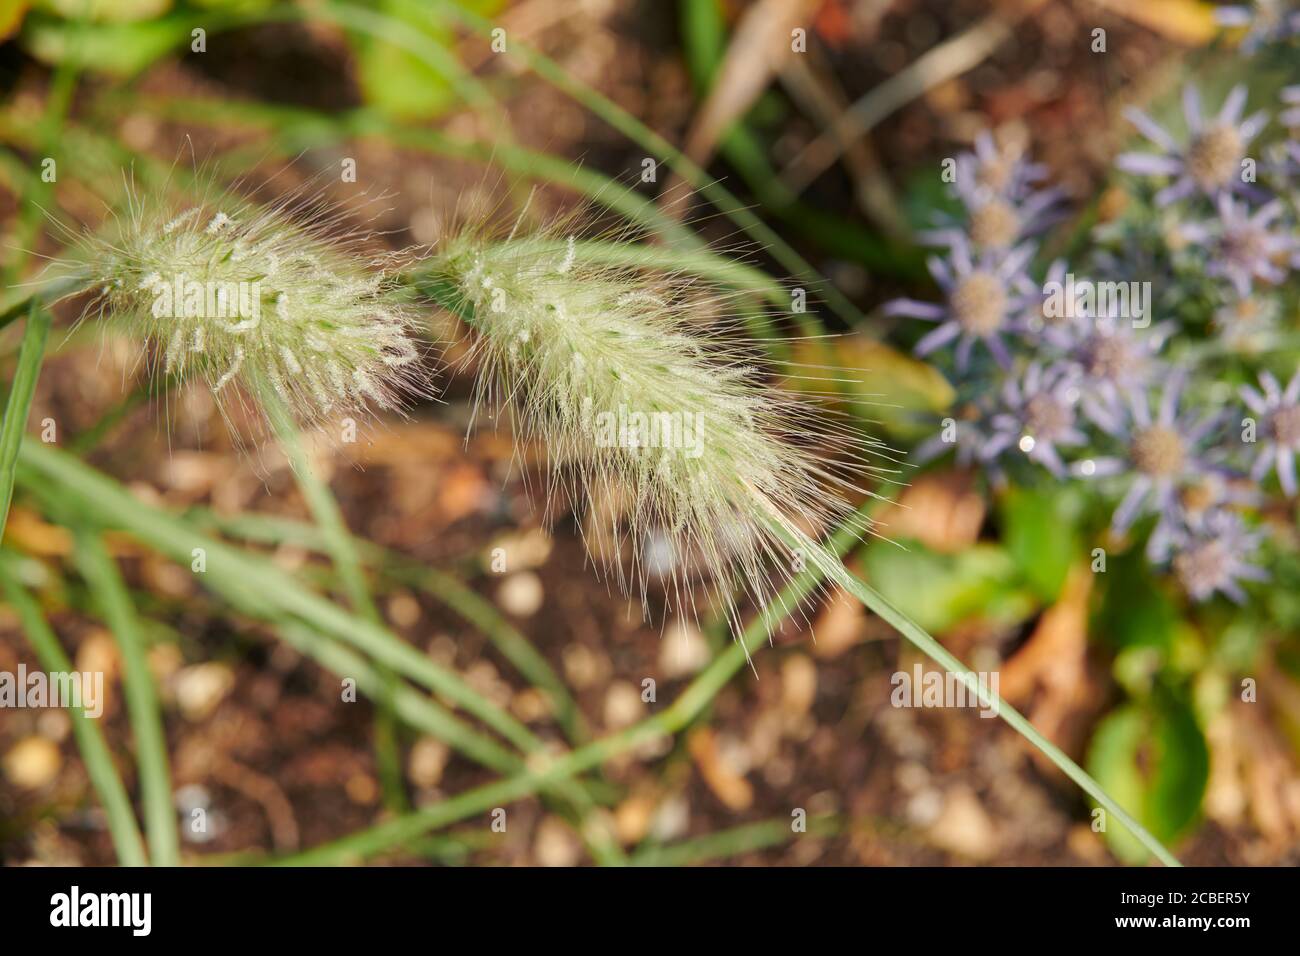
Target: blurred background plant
<point x="526" y="712"/>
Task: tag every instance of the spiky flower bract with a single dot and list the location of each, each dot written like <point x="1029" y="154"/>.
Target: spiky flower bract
<point x="621" y="374"/>
<point x="277" y="297"/>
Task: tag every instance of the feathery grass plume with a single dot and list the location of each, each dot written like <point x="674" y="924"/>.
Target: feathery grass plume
<point x="618" y="372"/>
<point x="599" y="363"/>
<point x="281" y="296"/>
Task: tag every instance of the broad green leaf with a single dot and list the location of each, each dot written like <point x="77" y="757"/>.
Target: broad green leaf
<point x="397" y="81"/>
<point x="1153" y="760"/>
<point x="11" y="16"/>
<point x="939" y="591"/>
<point x="1040" y="533"/>
<point x="1135" y="609"/>
<point x="105" y="11"/>
<point x="121" y="49"/>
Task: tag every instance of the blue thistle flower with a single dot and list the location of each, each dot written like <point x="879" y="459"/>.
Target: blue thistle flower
<point x="1244" y="245"/>
<point x="1247" y="324"/>
<point x="1279" y="410"/>
<point x="1113" y="359"/>
<point x="1163" y="452"/>
<point x="998" y="169"/>
<point x="1210" y="162"/>
<point x="986" y="297"/>
<point x="1037" y="415"/>
<point x="1213" y="556"/>
<point x="995" y="221"/>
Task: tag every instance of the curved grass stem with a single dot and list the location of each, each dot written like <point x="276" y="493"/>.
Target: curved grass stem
<point x="876" y="602"/>
<point x="103" y="774"/>
<point x="141" y="698"/>
<point x="30" y="356"/>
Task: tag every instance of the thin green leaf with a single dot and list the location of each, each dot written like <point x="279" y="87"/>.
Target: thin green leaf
<point x="19" y="404"/>
<point x="122" y="826"/>
<point x="141" y="698"/>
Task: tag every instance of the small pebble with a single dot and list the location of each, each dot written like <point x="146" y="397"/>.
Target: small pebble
<point x="32" y="763"/>
<point x="200" y="688"/>
<point x="623" y="705"/>
<point x="521" y="594"/>
<point x="683" y="652"/>
<point x="556" y="844"/>
<point x="427" y="761"/>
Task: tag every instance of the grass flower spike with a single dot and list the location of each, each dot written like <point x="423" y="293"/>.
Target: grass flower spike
<point x="230" y="291"/>
<point x="606" y="368"/>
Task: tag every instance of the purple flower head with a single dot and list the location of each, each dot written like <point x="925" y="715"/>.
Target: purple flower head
<point x="968" y="434"/>
<point x="1114" y="359"/>
<point x="1213" y="556"/>
<point x="1037" y="416"/>
<point x="1163" y="452"/>
<point x="1197" y="501"/>
<point x="986" y="297"/>
<point x="998" y="169"/>
<point x="1042" y="319"/>
<point x="1279" y="438"/>
<point x="1246" y="246"/>
<point x="1247" y="324"/>
<point x="1210" y="162"/>
<point x="1269" y="21"/>
<point x="995" y="223"/>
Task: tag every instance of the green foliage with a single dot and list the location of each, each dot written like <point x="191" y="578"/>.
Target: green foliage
<point x="399" y="82"/>
<point x="1153" y="759"/>
<point x="122" y="48"/>
<point x="939" y="591"/>
<point x="1136" y="609"/>
<point x="1040" y="532"/>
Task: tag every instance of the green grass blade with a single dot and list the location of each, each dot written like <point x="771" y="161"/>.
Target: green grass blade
<point x="875" y="601"/>
<point x="433" y="54"/>
<point x="250" y="582"/>
<point x="416" y="709"/>
<point x="122" y="826"/>
<point x="507" y="639"/>
<point x="30" y="356"/>
<point x="105" y="582"/>
<point x="732" y="842"/>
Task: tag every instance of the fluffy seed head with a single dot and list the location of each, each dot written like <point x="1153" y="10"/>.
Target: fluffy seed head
<point x="226" y="290"/>
<point x="616" y="372"/>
